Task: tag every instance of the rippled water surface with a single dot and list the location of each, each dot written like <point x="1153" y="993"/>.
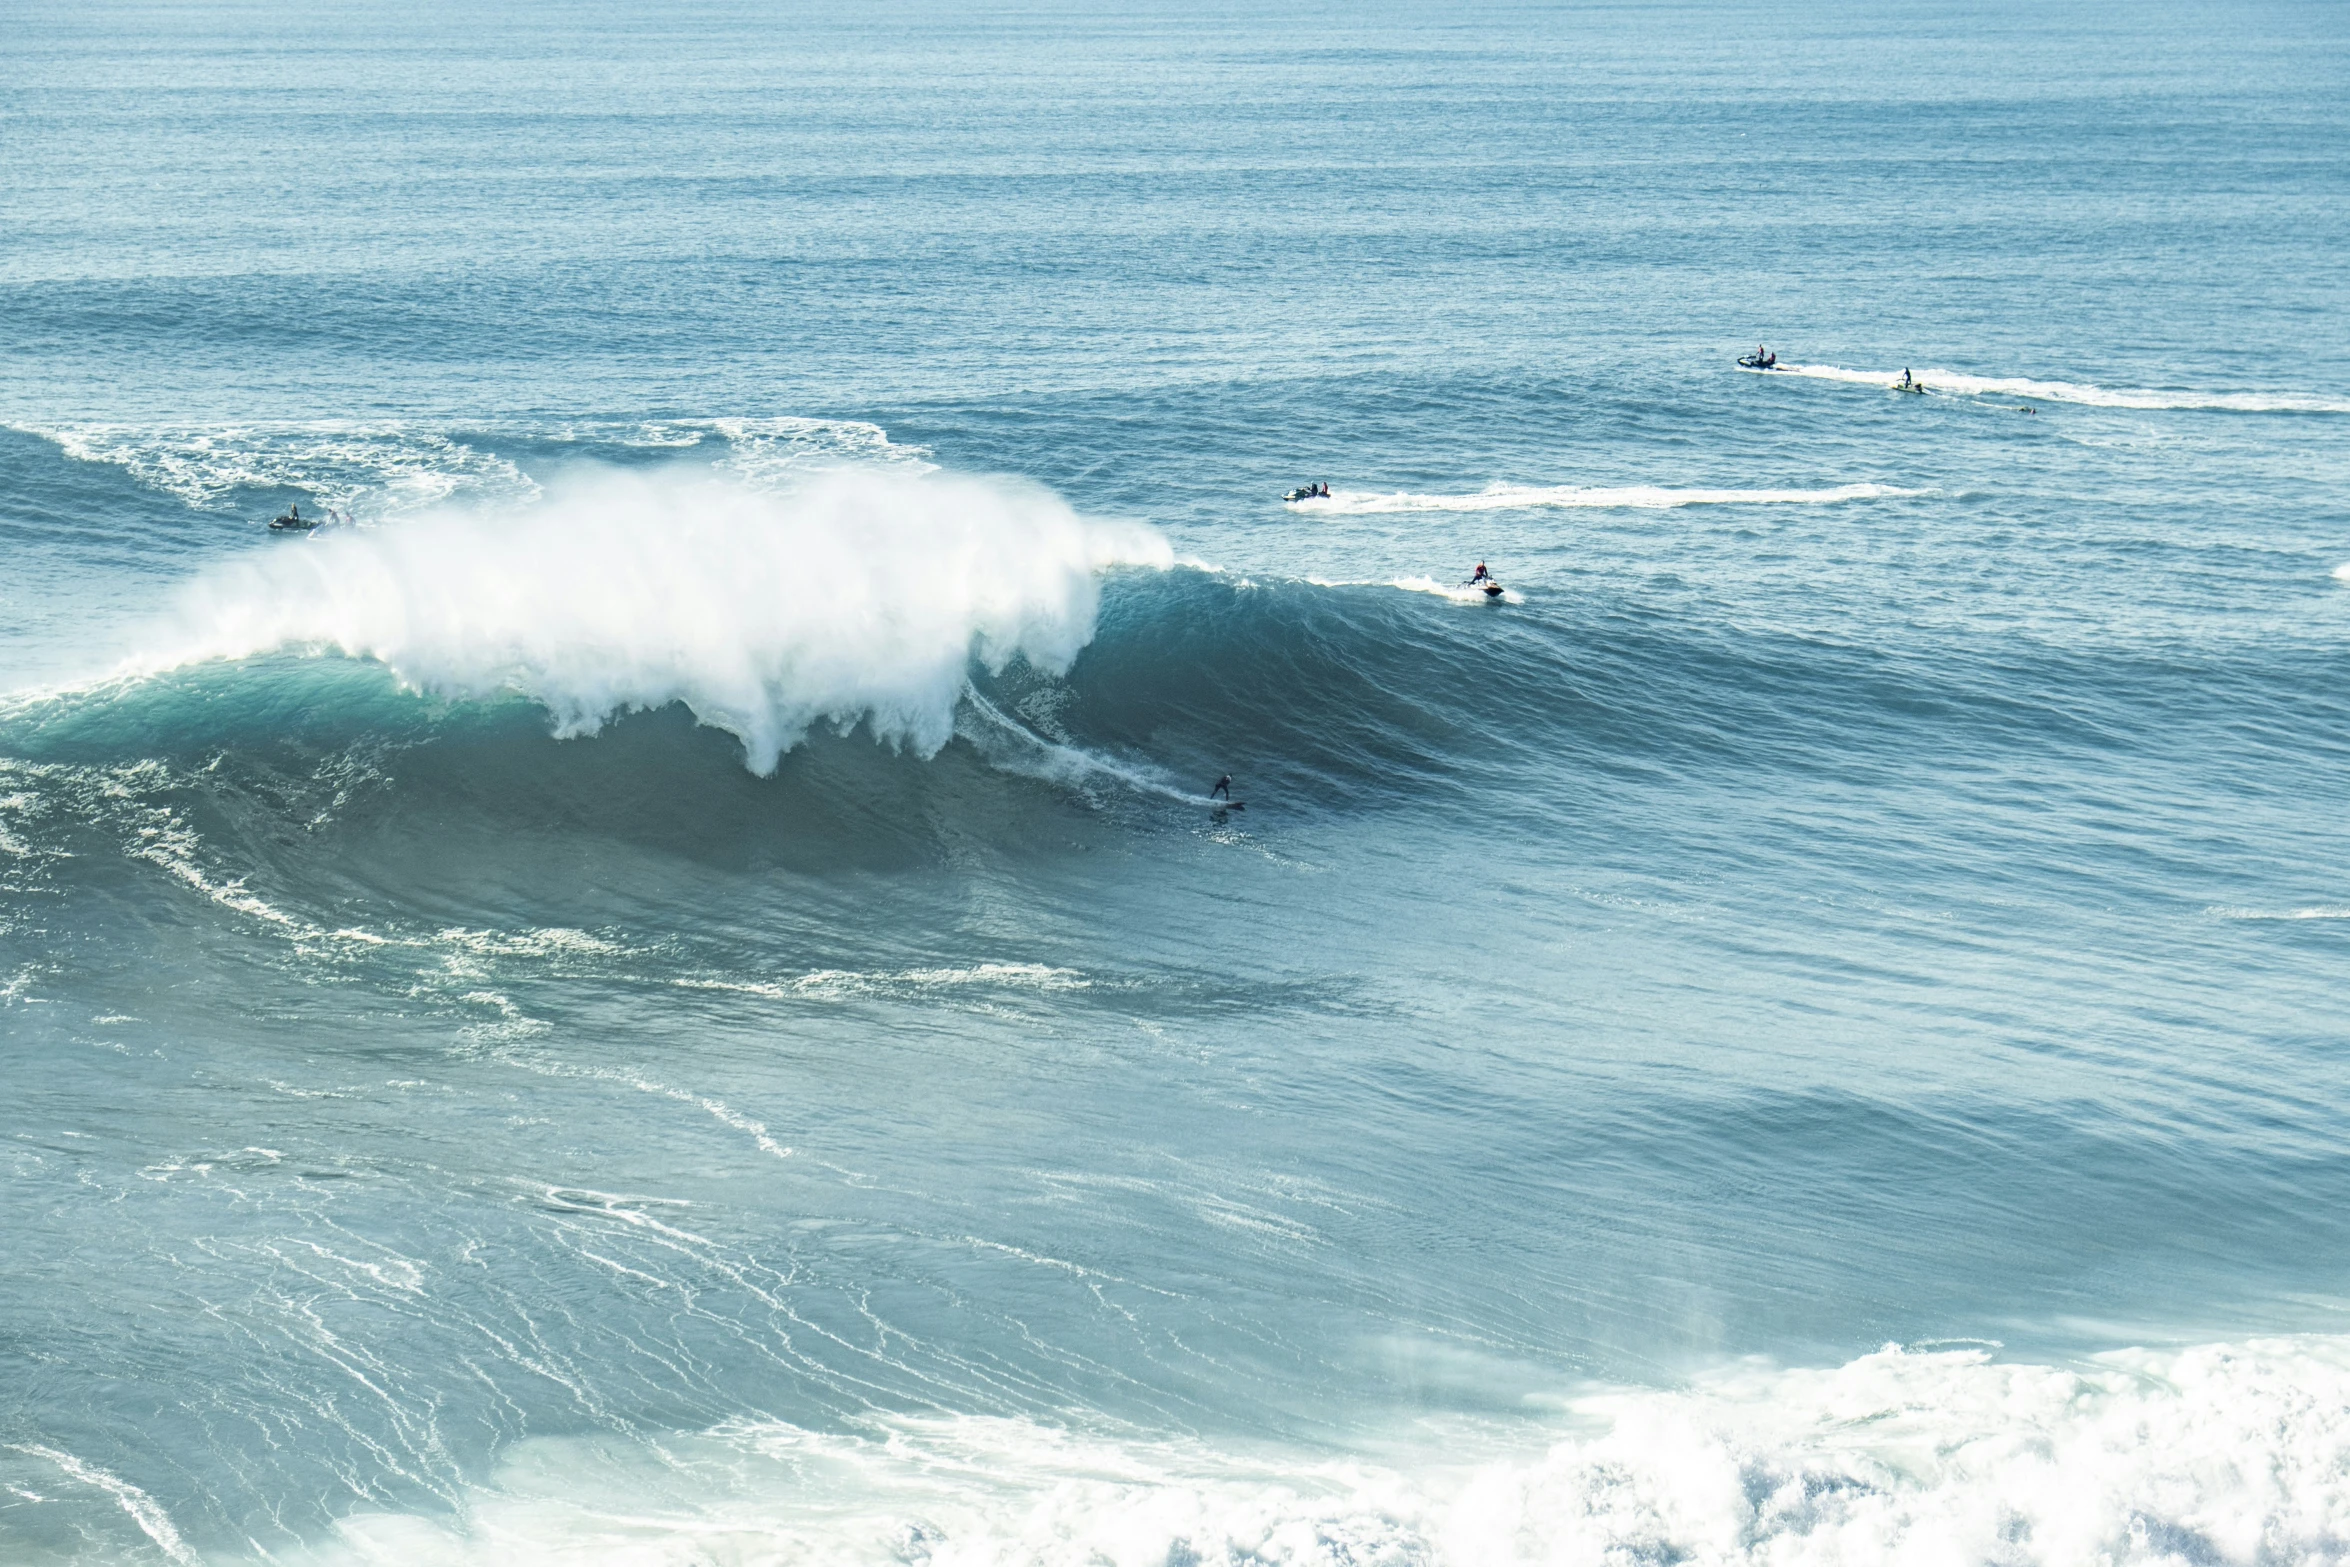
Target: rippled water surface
<point x="667" y="987"/>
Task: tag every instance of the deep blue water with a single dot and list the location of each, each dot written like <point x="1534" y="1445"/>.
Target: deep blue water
<point x="666" y="990"/>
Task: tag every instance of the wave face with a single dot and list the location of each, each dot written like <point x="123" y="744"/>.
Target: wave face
<point x="858" y="598"/>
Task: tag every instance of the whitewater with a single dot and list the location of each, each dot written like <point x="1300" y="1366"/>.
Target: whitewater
<point x="819" y="929"/>
<point x="859" y="597"/>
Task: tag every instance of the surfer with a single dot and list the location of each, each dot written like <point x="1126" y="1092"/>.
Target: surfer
<point x="1223" y="787"/>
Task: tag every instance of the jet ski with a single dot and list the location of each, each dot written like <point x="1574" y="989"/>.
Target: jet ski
<point x="1492" y="589"/>
<point x="1909" y="386"/>
<point x="1758" y="361"/>
<point x="294" y="522"/>
<point x="1310" y="492"/>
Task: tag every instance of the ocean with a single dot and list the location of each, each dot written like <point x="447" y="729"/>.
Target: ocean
<point x="667" y="988"/>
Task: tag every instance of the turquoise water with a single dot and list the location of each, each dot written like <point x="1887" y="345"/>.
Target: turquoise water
<point x="666" y="988"/>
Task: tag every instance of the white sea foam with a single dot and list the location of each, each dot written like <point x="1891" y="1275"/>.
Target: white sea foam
<point x="1960" y="384"/>
<point x="856" y="984"/>
<point x="1627" y="497"/>
<point x="842" y="983"/>
<point x="390" y="468"/>
<point x="766" y="451"/>
<point x="550" y="941"/>
<point x="859" y="594"/>
<point x="2219" y="1454"/>
<point x="2317" y="911"/>
<point x="775" y="451"/>
<point x="2342" y="572"/>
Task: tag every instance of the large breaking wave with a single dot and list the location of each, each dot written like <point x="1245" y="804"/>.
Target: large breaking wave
<point x="862" y="596"/>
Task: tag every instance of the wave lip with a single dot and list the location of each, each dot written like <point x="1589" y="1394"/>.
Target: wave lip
<point x="861" y="595"/>
<point x="1962" y="384"/>
<point x="1631" y="497"/>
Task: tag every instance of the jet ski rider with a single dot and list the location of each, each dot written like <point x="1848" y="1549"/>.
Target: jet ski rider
<point x="1480" y="574"/>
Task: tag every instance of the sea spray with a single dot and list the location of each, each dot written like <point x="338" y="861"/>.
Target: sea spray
<point x="861" y="596"/>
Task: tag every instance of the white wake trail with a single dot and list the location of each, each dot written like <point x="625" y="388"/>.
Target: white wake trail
<point x="1632" y="497"/>
<point x="1958" y="383"/>
<point x="1457" y="592"/>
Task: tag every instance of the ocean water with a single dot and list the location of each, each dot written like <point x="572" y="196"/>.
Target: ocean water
<point x="666" y="989"/>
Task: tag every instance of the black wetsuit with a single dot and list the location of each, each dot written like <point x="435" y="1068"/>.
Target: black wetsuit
<point x="1223" y="787"/>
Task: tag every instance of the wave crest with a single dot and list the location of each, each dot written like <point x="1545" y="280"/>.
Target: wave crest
<point x="860" y="596"/>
